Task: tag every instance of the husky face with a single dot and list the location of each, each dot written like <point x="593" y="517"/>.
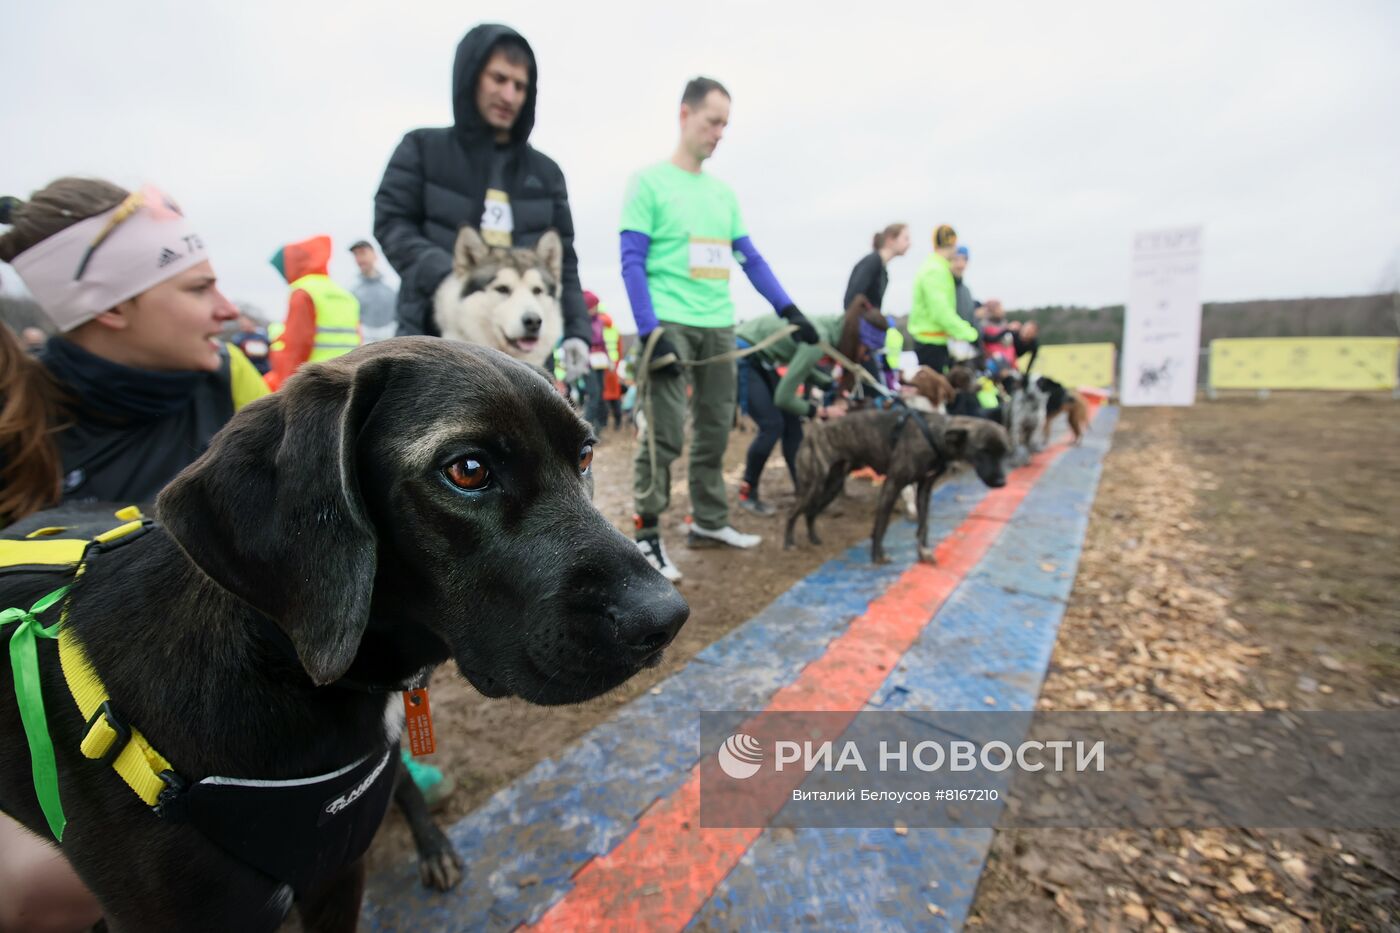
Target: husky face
<point x="507" y="299"/>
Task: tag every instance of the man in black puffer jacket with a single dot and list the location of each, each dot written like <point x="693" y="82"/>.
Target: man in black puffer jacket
<point x="479" y="172"/>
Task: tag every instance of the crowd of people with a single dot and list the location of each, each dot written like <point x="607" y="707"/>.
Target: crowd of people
<point x="148" y="359"/>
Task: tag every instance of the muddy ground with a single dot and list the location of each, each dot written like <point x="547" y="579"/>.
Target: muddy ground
<point x="1242" y="554"/>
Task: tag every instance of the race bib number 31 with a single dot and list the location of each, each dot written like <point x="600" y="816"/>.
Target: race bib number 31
<point x="497" y="221"/>
<point x="710" y="259"/>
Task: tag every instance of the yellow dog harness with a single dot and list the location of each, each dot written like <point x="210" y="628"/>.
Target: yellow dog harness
<point x="297" y="830"/>
<point x="107" y="738"/>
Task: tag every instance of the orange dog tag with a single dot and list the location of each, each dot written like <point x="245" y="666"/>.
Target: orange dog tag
<point x="418" y="722"/>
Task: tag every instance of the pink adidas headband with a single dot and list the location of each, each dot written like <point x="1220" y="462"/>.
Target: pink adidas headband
<point x="120" y="253"/>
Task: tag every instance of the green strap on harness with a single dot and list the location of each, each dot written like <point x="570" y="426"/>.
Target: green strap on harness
<point x="24" y="661"/>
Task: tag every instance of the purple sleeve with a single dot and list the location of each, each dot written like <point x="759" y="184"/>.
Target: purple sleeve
<point x="634" y="276"/>
<point x="759" y="273"/>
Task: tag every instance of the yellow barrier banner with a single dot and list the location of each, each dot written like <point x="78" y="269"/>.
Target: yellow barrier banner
<point x="1076" y="364"/>
<point x="1341" y="363"/>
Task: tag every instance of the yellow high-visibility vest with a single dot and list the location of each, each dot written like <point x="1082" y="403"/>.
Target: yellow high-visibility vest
<point x="894" y="347"/>
<point x="337" y="317"/>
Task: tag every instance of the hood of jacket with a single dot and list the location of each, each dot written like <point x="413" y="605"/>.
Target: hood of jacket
<point x="472" y="54"/>
<point x="309" y="257"/>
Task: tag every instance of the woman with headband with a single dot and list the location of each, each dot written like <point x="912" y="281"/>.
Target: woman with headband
<point x="137" y="380"/>
<point x="128" y="394"/>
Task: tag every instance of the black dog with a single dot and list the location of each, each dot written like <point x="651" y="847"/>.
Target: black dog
<point x="414" y="501"/>
<point x="906" y="447"/>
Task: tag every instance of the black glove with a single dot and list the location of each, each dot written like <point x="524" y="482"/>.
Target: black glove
<point x="663" y="348"/>
<point x="806" y="333"/>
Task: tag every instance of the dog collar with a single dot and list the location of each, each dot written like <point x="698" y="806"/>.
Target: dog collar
<point x="282" y="643"/>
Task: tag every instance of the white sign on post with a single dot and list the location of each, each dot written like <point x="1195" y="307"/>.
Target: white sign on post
<point x="1162" y="325"/>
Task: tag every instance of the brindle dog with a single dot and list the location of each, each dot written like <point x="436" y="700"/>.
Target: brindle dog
<point x="906" y="447"/>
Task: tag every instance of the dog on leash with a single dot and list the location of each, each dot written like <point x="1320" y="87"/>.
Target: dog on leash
<point x="933" y="393"/>
<point x="1062" y="401"/>
<point x="905" y="446"/>
<point x="1025" y="415"/>
<point x="964" y="385"/>
<point x="506" y="299"/>
<point x="414" y="501"/>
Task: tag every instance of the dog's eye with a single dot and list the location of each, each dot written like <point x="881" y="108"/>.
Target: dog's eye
<point x="585" y="459"/>
<point x="503" y="289"/>
<point x="468" y="474"/>
<point x="537" y="290"/>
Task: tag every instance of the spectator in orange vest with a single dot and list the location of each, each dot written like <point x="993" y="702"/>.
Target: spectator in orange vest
<point x="323" y="319"/>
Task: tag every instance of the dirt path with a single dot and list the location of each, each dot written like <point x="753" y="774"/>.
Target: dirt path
<point x="1241" y="555"/>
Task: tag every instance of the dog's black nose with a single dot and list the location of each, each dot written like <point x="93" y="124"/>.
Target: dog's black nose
<point x="531" y="321"/>
<point x="644" y="619"/>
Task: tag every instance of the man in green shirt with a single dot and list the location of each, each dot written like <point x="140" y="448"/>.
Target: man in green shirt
<point x="681" y="231"/>
<point x="933" y="318"/>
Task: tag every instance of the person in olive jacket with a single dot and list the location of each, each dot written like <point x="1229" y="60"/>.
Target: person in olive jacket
<point x="479" y="172"/>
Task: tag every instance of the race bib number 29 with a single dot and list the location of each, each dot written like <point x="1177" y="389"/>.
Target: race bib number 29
<point x="710" y="259"/>
<point x="497" y="220"/>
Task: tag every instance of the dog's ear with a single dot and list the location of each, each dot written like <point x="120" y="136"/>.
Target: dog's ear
<point x="272" y="512"/>
<point x="550" y="249"/>
<point x="471" y="251"/>
<point x="957" y="440"/>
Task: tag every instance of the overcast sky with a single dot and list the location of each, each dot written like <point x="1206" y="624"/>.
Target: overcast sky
<point x="1046" y="133"/>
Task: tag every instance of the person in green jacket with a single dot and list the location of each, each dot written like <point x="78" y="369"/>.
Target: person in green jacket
<point x="778" y="404"/>
<point x="934" y="315"/>
<point x="894" y="349"/>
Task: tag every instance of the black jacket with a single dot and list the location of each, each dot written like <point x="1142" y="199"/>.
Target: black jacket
<point x="436" y="183"/>
<point x="127" y="432"/>
<point x="868" y="278"/>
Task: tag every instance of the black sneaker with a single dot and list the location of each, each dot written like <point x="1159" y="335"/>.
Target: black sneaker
<point x="756" y="506"/>
<point x="749" y="501"/>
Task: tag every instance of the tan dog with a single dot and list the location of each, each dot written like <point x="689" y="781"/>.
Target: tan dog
<point x="1062" y="401"/>
<point x="930" y="386"/>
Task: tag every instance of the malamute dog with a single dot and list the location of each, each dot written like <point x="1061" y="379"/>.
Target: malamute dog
<point x="507" y="299"/>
